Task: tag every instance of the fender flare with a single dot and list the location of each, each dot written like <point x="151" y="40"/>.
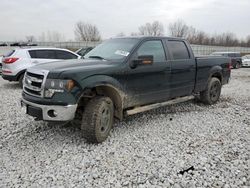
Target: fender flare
<point x="216" y="71"/>
<point x="105" y="85"/>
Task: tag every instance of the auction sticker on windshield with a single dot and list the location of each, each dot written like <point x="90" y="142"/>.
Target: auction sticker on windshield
<point x="121" y="52"/>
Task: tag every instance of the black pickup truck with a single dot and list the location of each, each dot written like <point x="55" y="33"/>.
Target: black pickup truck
<point x="120" y="77"/>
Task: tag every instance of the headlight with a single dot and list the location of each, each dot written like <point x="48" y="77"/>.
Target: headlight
<point x="53" y="86"/>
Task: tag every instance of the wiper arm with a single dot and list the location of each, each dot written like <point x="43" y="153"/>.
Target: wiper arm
<point x="97" y="57"/>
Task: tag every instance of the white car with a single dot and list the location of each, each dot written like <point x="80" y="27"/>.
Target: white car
<point x="246" y="61"/>
<point x="15" y="63"/>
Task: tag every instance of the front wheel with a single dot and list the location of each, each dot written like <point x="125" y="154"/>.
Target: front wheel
<point x="237" y="66"/>
<point x="212" y="93"/>
<point x="97" y="119"/>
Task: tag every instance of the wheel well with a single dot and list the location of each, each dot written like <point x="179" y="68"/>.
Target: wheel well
<point x="217" y="75"/>
<point x="114" y="94"/>
<point x="19" y="74"/>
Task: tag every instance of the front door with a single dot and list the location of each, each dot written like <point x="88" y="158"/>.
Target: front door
<point x="148" y="83"/>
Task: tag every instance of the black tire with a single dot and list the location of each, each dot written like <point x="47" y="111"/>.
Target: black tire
<point x="212" y="93"/>
<point x="55" y="123"/>
<point x="97" y="120"/>
<point x="237" y="65"/>
<point x="20" y="80"/>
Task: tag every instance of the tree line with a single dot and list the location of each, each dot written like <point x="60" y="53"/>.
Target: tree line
<point x="89" y="32"/>
<point x="194" y="36"/>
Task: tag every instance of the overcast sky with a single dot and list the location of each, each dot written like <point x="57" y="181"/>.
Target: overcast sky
<point x="19" y="18"/>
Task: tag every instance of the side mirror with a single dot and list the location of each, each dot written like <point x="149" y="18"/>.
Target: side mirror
<point x="142" y="60"/>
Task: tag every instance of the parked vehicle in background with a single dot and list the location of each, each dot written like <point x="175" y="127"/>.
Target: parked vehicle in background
<point x="23" y="44"/>
<point x="246" y="61"/>
<point x="15" y="44"/>
<point x="83" y="51"/>
<point x="15" y="63"/>
<point x="31" y="44"/>
<point x="3" y="44"/>
<point x="121" y="77"/>
<point x="236" y="61"/>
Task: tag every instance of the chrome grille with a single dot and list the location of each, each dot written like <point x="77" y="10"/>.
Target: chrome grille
<point x="34" y="81"/>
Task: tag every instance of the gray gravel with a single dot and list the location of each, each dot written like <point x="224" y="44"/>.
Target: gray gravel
<point x="152" y="149"/>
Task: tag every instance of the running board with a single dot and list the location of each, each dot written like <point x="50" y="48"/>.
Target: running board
<point x="157" y="105"/>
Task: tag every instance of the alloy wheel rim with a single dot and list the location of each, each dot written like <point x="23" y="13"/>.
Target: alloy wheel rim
<point x="105" y="120"/>
<point x="214" y="91"/>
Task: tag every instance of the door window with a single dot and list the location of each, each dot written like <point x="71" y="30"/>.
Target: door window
<point x="42" y="54"/>
<point x="154" y="48"/>
<point x="65" y="55"/>
<point x="178" y="49"/>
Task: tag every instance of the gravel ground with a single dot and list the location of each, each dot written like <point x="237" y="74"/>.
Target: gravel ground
<point x="184" y="145"/>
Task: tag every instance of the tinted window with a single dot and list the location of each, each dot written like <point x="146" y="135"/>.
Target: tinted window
<point x="32" y="54"/>
<point x="42" y="54"/>
<point x="233" y="55"/>
<point x="9" y="53"/>
<point x="178" y="49"/>
<point x="65" y="55"/>
<point x="153" y="48"/>
<point x="83" y="51"/>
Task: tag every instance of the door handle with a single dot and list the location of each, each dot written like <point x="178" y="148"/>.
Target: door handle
<point x="35" y="62"/>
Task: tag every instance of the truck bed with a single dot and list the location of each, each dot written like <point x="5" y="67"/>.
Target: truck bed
<point x="205" y="66"/>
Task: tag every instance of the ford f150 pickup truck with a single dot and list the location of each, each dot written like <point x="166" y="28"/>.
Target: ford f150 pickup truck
<point x="121" y="77"/>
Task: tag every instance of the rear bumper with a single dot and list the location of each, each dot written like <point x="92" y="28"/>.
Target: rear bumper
<point x="49" y="112"/>
<point x="9" y="77"/>
<point x="246" y="64"/>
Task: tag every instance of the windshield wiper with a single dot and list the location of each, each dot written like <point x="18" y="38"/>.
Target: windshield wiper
<point x="97" y="57"/>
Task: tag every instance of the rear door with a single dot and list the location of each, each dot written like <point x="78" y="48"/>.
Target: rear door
<point x="183" y="68"/>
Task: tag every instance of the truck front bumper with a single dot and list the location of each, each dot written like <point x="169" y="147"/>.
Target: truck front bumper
<point x="49" y="112"/>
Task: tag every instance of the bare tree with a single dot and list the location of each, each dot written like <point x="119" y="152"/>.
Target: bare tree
<point x="248" y="41"/>
<point x="30" y="38"/>
<point x="86" y="32"/>
<point x="54" y="36"/>
<point x="178" y="29"/>
<point x="226" y="39"/>
<point x="191" y="35"/>
<point x="151" y="29"/>
<point x="51" y="36"/>
<point x="42" y="37"/>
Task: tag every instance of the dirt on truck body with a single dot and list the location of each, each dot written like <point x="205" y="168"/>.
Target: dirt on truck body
<point x="120" y="77"/>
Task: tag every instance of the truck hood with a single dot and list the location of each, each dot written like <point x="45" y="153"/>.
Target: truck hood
<point x="76" y="67"/>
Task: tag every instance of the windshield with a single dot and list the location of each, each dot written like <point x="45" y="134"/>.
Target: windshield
<point x="113" y="49"/>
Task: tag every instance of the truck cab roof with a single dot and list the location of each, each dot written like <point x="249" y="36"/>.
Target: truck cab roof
<point x="141" y="37"/>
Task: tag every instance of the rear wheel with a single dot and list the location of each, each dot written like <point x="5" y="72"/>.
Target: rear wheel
<point x="20" y="80"/>
<point x="97" y="119"/>
<point x="212" y="93"/>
